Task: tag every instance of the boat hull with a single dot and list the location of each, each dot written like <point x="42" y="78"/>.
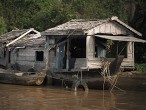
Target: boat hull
<point x="22" y="78"/>
<point x="93" y="82"/>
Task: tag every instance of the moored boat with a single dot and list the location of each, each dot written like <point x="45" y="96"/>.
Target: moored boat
<point x="22" y="78"/>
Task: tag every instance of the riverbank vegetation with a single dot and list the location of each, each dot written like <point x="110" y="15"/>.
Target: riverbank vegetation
<point x="44" y="14"/>
<point x="141" y="67"/>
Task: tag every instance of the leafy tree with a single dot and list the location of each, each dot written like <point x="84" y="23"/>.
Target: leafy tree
<point x="2" y="26"/>
<point x="139" y="23"/>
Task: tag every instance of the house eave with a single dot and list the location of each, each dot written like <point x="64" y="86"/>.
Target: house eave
<point x="63" y="32"/>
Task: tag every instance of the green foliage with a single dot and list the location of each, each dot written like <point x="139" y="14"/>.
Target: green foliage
<point x="2" y="26"/>
<point x="18" y="13"/>
<point x="141" y="67"/>
<point x="43" y="14"/>
<point x="109" y="43"/>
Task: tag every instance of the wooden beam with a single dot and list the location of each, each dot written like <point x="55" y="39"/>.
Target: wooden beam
<point x="31" y="29"/>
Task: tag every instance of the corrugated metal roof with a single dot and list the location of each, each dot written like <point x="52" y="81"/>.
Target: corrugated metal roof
<point x="121" y="38"/>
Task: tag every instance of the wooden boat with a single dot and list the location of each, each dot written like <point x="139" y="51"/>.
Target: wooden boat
<point x="22" y="78"/>
<point x="103" y="78"/>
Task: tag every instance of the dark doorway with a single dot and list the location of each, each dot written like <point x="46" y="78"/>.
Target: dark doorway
<point x="78" y="47"/>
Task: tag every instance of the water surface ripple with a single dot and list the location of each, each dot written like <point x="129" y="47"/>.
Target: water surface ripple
<point x="16" y="97"/>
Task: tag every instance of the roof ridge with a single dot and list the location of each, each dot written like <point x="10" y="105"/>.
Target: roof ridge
<point x="84" y="20"/>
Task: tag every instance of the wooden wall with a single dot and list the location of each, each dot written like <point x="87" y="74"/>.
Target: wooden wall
<point x="52" y="58"/>
<point x="25" y="59"/>
<point x="129" y="61"/>
<point x="107" y="28"/>
<point x="4" y="57"/>
<point x="110" y="28"/>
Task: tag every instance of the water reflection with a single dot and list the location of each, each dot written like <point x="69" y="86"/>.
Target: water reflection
<point x="14" y="97"/>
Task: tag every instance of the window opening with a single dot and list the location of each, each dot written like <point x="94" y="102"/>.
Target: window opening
<point x="39" y="55"/>
<point x="118" y="48"/>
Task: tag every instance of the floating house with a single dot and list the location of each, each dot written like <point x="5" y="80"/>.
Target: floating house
<point x="79" y="52"/>
<point x="85" y="43"/>
<point x="89" y="53"/>
<point x="22" y="50"/>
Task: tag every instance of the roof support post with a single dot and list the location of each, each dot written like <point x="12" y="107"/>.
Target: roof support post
<point x="67" y="55"/>
<point x="47" y="53"/>
<point x="133" y="53"/>
<point x="90" y="48"/>
<point x="130" y="52"/>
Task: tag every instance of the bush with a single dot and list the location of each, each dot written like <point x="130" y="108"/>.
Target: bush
<point x="141" y="67"/>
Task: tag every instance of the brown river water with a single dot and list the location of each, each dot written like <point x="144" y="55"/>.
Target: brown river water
<point x="16" y="97"/>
